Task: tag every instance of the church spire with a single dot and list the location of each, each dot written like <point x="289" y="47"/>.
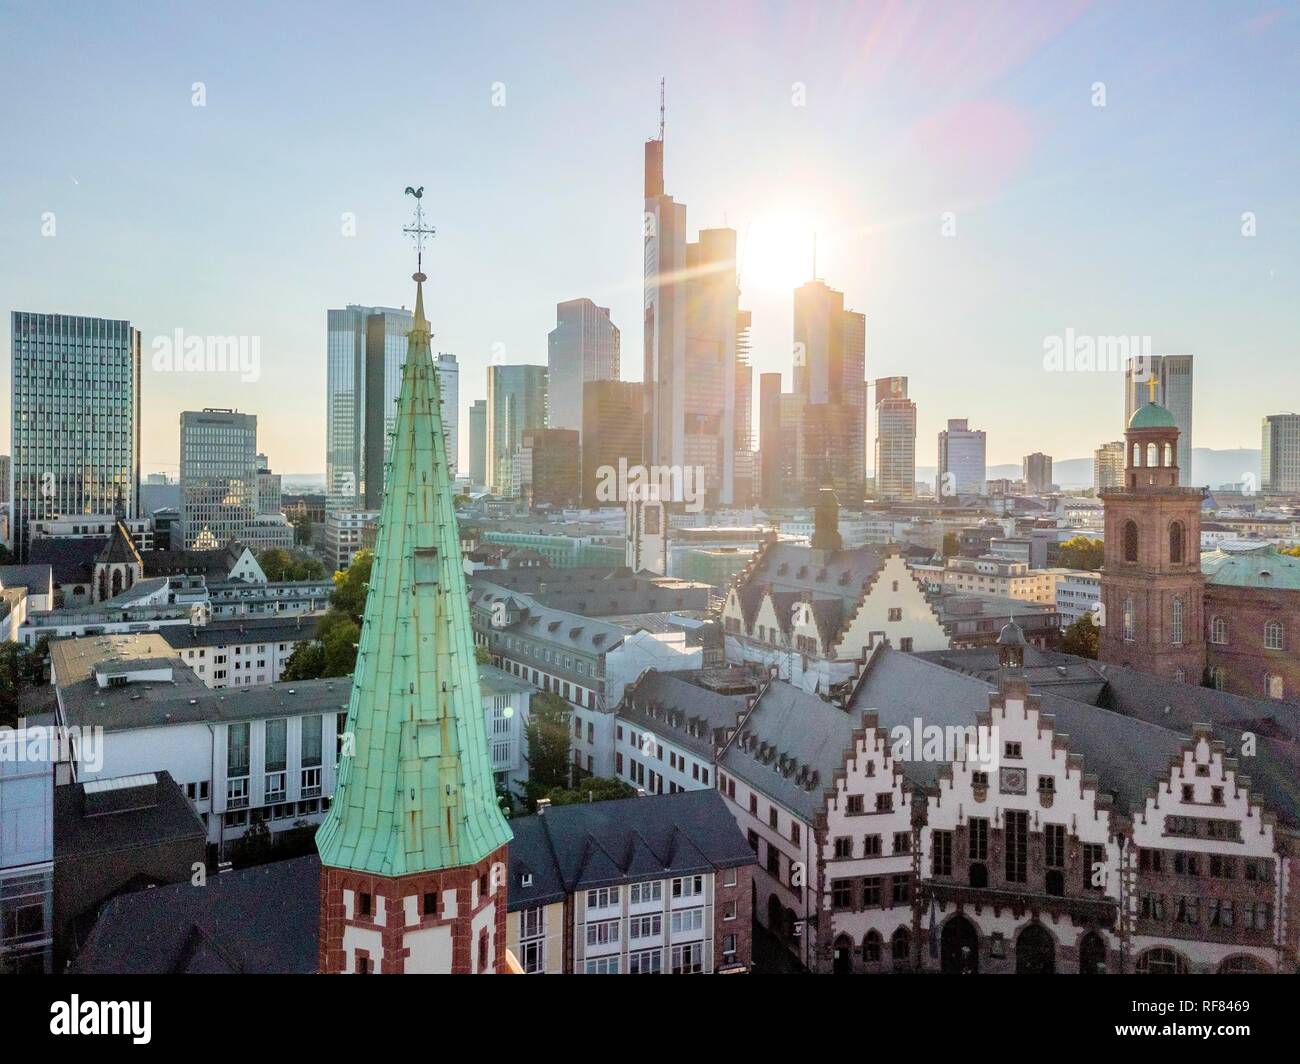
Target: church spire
<point x="415" y="819"/>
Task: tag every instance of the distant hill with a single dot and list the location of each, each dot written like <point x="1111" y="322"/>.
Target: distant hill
<point x="1210" y="468"/>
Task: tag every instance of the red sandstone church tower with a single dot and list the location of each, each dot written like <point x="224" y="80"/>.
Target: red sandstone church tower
<point x="1152" y="588"/>
<point x="413" y="851"/>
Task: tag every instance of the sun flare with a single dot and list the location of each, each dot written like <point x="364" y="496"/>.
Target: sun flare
<point x="776" y="253"/>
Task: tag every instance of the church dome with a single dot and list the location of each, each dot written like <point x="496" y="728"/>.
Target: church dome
<point x="1012" y="635"/>
<point x="1151" y="416"/>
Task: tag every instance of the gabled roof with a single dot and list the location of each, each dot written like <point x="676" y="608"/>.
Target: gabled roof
<point x="594" y="844"/>
<point x="120" y="548"/>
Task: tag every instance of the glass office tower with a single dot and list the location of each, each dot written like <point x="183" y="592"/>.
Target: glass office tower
<point x="75" y="434"/>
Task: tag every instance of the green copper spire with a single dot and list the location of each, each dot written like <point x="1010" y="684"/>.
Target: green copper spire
<point x="417" y="793"/>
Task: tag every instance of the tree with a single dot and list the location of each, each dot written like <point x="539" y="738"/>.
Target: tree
<point x="301" y="521"/>
<point x="591" y="789"/>
<point x="482" y="655"/>
<point x="13" y="672"/>
<point x="1293" y="551"/>
<point x="273" y="563"/>
<point x="352" y="584"/>
<point x="307" y="662"/>
<point x="254" y="846"/>
<point x="340" y="645"/>
<point x="548" y="745"/>
<point x="951" y="544"/>
<point x="1083" y="552"/>
<point x="1081" y="638"/>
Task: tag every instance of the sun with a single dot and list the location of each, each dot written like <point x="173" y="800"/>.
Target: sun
<point x="776" y="253"/>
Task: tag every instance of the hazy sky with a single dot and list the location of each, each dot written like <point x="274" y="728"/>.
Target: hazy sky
<point x="863" y="122"/>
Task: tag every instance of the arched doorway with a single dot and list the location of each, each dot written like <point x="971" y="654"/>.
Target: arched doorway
<point x="1035" y="951"/>
<point x="959" y="947"/>
<point x="842" y="956"/>
<point x="1092" y="954"/>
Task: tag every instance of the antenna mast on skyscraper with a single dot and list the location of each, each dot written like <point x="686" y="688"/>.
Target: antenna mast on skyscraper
<point x="661" y="109"/>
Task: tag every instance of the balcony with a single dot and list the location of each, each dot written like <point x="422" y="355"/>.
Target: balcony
<point x="1084" y="911"/>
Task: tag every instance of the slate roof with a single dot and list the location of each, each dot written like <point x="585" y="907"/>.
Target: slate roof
<point x="37" y="579"/>
<point x="254" y="921"/>
<point x="154" y="814"/>
<point x="71" y="560"/>
<point x="789" y="723"/>
<point x="841" y="573"/>
<point x="593" y="844"/>
<point x="668" y="702"/>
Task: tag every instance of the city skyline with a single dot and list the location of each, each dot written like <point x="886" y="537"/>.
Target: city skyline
<point x="200" y="244"/>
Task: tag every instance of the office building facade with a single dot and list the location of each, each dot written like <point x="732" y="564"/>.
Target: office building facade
<point x="219" y="476"/>
<point x="1279" y="455"/>
<point x="516" y="401"/>
<point x="75" y="406"/>
<point x="895" y="440"/>
<point x="961" y="461"/>
<point x="583" y="346"/>
<point x="611" y="431"/>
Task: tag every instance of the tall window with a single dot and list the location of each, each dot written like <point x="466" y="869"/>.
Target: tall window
<point x="311" y="741"/>
<point x="1176" y="622"/>
<point x="1176" y="543"/>
<point x="1273" y="636"/>
<point x="1153" y="455"/>
<point x="237" y="750"/>
<point x="1137" y="454"/>
<point x="1130" y="541"/>
<point x="1169" y="454"/>
<point x="1017" y="845"/>
<point x="1129" y="626"/>
<point x="1219" y="631"/>
<point x="276" y="745"/>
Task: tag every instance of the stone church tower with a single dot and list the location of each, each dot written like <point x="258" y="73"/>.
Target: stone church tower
<point x="413" y="851"/>
<point x="1152" y="588"/>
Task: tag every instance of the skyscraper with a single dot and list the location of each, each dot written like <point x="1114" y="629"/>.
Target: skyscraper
<point x="550" y="471"/>
<point x="449" y="391"/>
<point x="1108" y="467"/>
<point x="829" y="376"/>
<point x="75" y="406"/>
<point x="1172" y="375"/>
<point x="611" y="430"/>
<point x="1038" y="473"/>
<point x="219" y="476"/>
<point x="895" y="440"/>
<point x="414" y="833"/>
<point x="694" y="334"/>
<point x="769" y="438"/>
<point x="478" y="442"/>
<point x="1280" y="454"/>
<point x="583" y="346"/>
<point x="516" y="400"/>
<point x="365" y="347"/>
<point x="961" y="461"/>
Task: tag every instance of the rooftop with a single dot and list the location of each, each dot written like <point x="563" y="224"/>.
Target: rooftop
<point x="592" y="844"/>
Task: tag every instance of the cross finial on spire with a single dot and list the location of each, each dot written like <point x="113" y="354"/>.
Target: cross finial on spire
<point x="419" y="230"/>
<point x="1152" y="381"/>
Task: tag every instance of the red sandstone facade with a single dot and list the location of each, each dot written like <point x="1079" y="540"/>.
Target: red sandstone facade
<point x="1246" y="664"/>
<point x="1152" y="587"/>
<point x="367" y="921"/>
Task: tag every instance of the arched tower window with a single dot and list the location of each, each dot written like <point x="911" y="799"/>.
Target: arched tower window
<point x="1219" y="631"/>
<point x="1176" y="622"/>
<point x="1130" y="541"/>
<point x="1129" y="625"/>
<point x="1169" y="454"/>
<point x="1176" y="543"/>
<point x="1153" y="455"/>
<point x="1137" y="454"/>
